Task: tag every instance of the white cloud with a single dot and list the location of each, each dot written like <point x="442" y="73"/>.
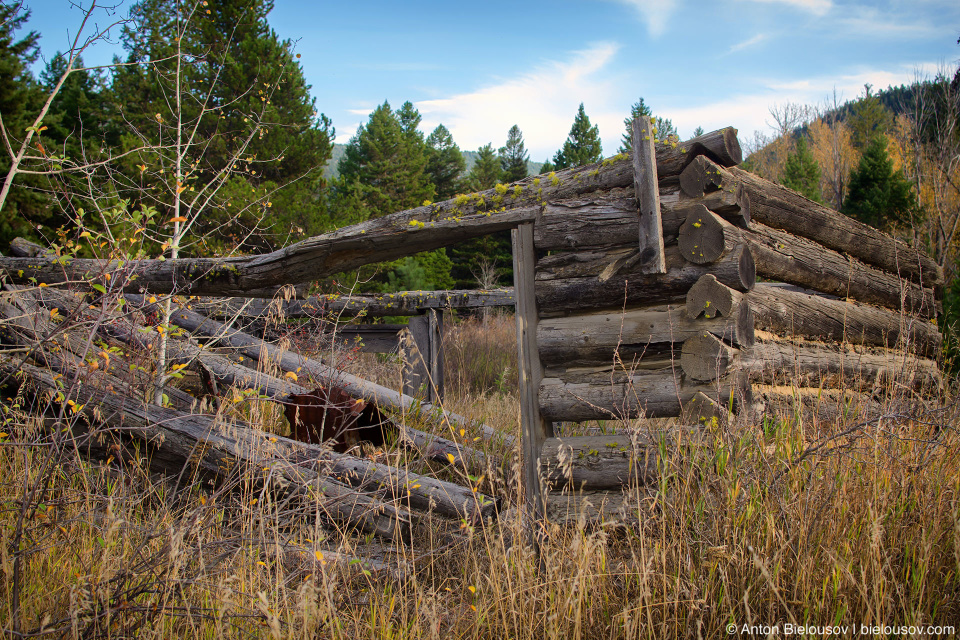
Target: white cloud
<point x="749" y="112"/>
<point x="868" y="22"/>
<point x="816" y="7"/>
<point x="542" y="103"/>
<point x="654" y="12"/>
<point x="740" y="46"/>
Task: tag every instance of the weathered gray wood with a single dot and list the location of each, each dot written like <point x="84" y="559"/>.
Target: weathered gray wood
<point x="661" y="393"/>
<point x="386" y="238"/>
<point x="709" y="298"/>
<point x="788" y="258"/>
<point x="703" y="410"/>
<point x="535" y="429"/>
<point x="434" y="447"/>
<point x="706" y="357"/>
<point x="721" y="146"/>
<point x="703" y="177"/>
<point x="402" y="303"/>
<point x="605" y="218"/>
<point x="646" y="185"/>
<point x="587" y="463"/>
<point x="828" y="406"/>
<point x="705" y="237"/>
<point x="201" y="442"/>
<point x="781" y="208"/>
<point x="571" y="281"/>
<point x="592" y="338"/>
<point x="819" y="365"/>
<point x="423" y="357"/>
<point x="370" y="338"/>
<point x="786" y="310"/>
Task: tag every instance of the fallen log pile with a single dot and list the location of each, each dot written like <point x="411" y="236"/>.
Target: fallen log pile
<point x="96" y="358"/>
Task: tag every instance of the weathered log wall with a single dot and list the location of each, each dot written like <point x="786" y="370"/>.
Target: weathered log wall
<point x="618" y="341"/>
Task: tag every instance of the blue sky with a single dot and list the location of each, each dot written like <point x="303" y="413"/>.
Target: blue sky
<point x="479" y="68"/>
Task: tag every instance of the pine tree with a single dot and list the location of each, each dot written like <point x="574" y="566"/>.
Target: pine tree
<point x="582" y="145"/>
<point x="802" y="173"/>
<point x="26" y="206"/>
<point x="698" y="132"/>
<point x="547" y="166"/>
<point x="221" y="72"/>
<point x="514" y="157"/>
<point x="879" y="195"/>
<point x="445" y="163"/>
<point x="388" y="157"/>
<point x="869" y="119"/>
<point x="664" y="127"/>
<point x="485" y="173"/>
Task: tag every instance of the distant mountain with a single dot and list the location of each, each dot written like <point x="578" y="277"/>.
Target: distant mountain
<point x="330" y="170"/>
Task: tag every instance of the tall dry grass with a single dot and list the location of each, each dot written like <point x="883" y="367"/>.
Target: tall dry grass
<point x="782" y="522"/>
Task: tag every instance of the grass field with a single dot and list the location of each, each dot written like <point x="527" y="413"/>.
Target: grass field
<point x="762" y="525"/>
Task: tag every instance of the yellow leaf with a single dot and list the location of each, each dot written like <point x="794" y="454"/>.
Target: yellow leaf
<point x="3" y="434"/>
<point x="451" y="458"/>
<point x="153" y="299"/>
<point x="472" y="589"/>
<point x="290" y="375"/>
<point x="177" y="219"/>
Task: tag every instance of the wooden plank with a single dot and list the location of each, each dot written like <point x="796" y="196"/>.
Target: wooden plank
<point x="534" y="428"/>
<point x="645" y="183"/>
<point x="435" y="337"/>
<point x="423" y="357"/>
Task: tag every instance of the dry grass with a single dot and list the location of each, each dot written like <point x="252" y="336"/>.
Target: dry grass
<point x="771" y="524"/>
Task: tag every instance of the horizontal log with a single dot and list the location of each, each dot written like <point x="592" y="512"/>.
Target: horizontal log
<point x="775" y="362"/>
<point x="434" y="447"/>
<point x="387" y="238"/>
<point x="787" y="310"/>
<point x="179" y="441"/>
<point x="655" y="394"/>
<point x="402" y="303"/>
<point x="828" y="406"/>
<point x="572" y="281"/>
<point x="782" y="208"/>
<point x="788" y="258"/>
<point x="587" y="463"/>
<point x="604" y="218"/>
<point x="390" y="237"/>
<point x="592" y="338"/>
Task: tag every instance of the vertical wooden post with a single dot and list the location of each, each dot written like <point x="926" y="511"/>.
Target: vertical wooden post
<point x="648" y="197"/>
<point x="422" y="354"/>
<point x="435" y="363"/>
<point x="534" y="428"/>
